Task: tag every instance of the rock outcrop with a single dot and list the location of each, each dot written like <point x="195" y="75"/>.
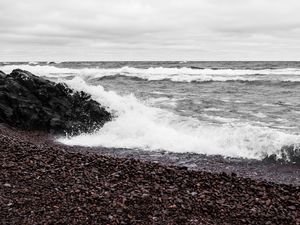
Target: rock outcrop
<point x="2" y="74"/>
<point x="32" y="103"/>
<point x="288" y="154"/>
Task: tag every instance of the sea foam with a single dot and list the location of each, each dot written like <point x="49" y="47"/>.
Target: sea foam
<point x="138" y="125"/>
<point x="182" y="74"/>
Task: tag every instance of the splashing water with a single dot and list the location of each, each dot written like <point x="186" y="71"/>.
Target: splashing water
<point x="144" y="127"/>
<point x="241" y="112"/>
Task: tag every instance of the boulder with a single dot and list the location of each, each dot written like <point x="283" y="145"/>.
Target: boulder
<point x="33" y="103"/>
<point x="287" y="154"/>
<point x="2" y="74"/>
<point x="291" y="153"/>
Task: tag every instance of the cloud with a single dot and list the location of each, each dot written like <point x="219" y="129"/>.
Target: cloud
<point x="149" y="30"/>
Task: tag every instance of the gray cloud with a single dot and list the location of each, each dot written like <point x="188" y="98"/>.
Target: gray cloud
<point x="149" y="30"/>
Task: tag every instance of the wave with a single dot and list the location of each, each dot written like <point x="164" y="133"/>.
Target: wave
<point x="183" y="74"/>
<point x="33" y="63"/>
<point x="140" y="126"/>
<point x="53" y="62"/>
<point x="246" y="81"/>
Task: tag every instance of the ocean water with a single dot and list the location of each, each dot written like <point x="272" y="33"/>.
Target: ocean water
<point x="235" y="109"/>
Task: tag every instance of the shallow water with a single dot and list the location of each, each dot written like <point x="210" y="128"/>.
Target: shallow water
<point x="239" y="109"/>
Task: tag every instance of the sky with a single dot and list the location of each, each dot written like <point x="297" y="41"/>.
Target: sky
<point x="121" y="30"/>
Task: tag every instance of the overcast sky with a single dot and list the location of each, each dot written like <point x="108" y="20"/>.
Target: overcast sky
<point x="149" y="30"/>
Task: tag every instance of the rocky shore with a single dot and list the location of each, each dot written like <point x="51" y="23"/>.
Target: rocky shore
<point x="33" y="103"/>
<point x="264" y="170"/>
<point x="44" y="182"/>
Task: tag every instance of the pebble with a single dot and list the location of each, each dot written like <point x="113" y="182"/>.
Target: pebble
<point x="54" y="184"/>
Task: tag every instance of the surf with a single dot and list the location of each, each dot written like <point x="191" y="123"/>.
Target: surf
<point x="182" y="74"/>
<point x="138" y="125"/>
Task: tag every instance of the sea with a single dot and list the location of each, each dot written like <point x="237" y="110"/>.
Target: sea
<point x="232" y="108"/>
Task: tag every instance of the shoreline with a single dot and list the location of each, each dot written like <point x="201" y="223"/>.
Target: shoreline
<point x="261" y="170"/>
<point x="248" y="168"/>
<point x="44" y="182"/>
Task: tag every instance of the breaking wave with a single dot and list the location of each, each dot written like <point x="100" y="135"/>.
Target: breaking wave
<point x="140" y="126"/>
<point x="183" y="74"/>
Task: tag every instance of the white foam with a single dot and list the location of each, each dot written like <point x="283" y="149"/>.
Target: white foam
<point x="33" y="63"/>
<point x="212" y="109"/>
<point x="220" y="119"/>
<point x="259" y="115"/>
<point x="159" y="73"/>
<point x="140" y="126"/>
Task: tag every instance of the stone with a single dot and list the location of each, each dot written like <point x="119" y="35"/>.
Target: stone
<point x="58" y="184"/>
<point x="30" y="102"/>
<point x="2" y="74"/>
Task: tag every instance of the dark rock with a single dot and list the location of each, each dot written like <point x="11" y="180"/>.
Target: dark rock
<point x="291" y="153"/>
<point x="34" y="103"/>
<point x="2" y="74"/>
<point x="270" y="158"/>
<point x="291" y="207"/>
<point x="288" y="154"/>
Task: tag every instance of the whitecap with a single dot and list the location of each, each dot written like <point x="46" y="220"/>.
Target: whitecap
<point x="140" y="126"/>
<point x="183" y="74"/>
